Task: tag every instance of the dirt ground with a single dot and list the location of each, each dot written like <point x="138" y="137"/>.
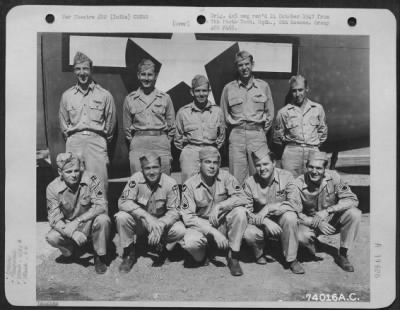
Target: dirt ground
<point x="213" y="283"/>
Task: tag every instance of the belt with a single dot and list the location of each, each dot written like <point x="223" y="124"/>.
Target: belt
<point x="249" y="126"/>
<point x="150" y="133"/>
<point x="87" y="133"/>
<point x="203" y="144"/>
<point x="302" y="144"/>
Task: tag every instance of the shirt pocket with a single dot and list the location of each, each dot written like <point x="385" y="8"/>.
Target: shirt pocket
<point x="280" y="195"/>
<point x="191" y="128"/>
<point x="236" y="104"/>
<point x="221" y="197"/>
<point x="158" y="108"/>
<point x="96" y="110"/>
<point x="314" y="121"/>
<point x="72" y="111"/>
<point x="160" y="207"/>
<point x="211" y="131"/>
<point x="259" y="102"/>
<point x="293" y="123"/>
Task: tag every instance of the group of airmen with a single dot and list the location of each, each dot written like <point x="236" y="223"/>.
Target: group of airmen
<point x="213" y="210"/>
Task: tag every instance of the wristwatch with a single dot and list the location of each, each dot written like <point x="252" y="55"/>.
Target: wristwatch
<point x="330" y="210"/>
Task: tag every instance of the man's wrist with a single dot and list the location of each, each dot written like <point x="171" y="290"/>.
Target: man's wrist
<point x="330" y="210"/>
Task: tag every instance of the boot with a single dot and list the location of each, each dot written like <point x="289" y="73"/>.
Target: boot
<point x="99" y="266"/>
<point x="344" y="263"/>
<point x="296" y="267"/>
<point x="233" y="264"/>
<point x="128" y="259"/>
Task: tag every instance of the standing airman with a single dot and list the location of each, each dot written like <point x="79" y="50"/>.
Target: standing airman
<point x="249" y="111"/>
<point x="87" y="119"/>
<point x="149" y="119"/>
<point x="300" y="127"/>
<point x="198" y="124"/>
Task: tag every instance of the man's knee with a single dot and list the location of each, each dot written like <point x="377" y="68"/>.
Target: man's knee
<point x="306" y="237"/>
<point x="193" y="241"/>
<point x="253" y="234"/>
<point x="53" y="238"/>
<point x="178" y="230"/>
<point x="239" y="213"/>
<point x="102" y="220"/>
<point x="289" y="218"/>
<point x="122" y="217"/>
<point x="354" y="214"/>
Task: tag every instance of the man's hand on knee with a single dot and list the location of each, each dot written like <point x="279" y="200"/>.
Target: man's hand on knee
<point x="220" y="239"/>
<point x="70" y="228"/>
<point x="271" y="227"/>
<point x="326" y="228"/>
<point x="79" y="237"/>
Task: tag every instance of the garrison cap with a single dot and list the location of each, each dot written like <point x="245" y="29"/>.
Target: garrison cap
<point x="317" y="155"/>
<point x="81" y="57"/>
<point x="208" y="152"/>
<point x="242" y="55"/>
<point x="199" y="80"/>
<point x="146" y="64"/>
<point x="261" y="152"/>
<point x="149" y="157"/>
<point x="65" y="159"/>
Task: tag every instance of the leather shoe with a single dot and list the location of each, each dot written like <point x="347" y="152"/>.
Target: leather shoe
<point x="344" y="263"/>
<point x="234" y="267"/>
<point x="128" y="261"/>
<point x="296" y="267"/>
<point x="261" y="260"/>
<point x="99" y="266"/>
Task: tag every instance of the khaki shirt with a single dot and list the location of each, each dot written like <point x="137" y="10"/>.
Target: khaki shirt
<point x="198" y="200"/>
<point x="93" y="110"/>
<point x="260" y="197"/>
<point x="162" y="202"/>
<point x="63" y="205"/>
<point x="139" y="115"/>
<point x="333" y="192"/>
<point x="296" y="126"/>
<point x="196" y="126"/>
<point x="251" y="104"/>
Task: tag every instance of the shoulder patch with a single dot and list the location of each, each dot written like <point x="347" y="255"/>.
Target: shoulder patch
<point x="237" y="187"/>
<point x="99" y="194"/>
<point x="132" y="184"/>
<point x="93" y="178"/>
<point x="125" y="194"/>
<point x="343" y="187"/>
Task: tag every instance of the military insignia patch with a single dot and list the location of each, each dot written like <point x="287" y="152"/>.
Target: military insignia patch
<point x="343" y="187"/>
<point x="99" y="193"/>
<point x="93" y="178"/>
<point x="237" y="187"/>
<point x="183" y="188"/>
<point x="185" y="206"/>
<point x="132" y="184"/>
<point x="125" y="194"/>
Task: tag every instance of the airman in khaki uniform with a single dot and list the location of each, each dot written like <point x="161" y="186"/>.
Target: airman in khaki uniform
<point x="148" y="207"/>
<point x="213" y="207"/>
<point x="198" y="124"/>
<point x="77" y="210"/>
<point x="326" y="205"/>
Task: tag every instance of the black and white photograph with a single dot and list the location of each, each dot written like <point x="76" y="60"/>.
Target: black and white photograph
<point x="228" y="165"/>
